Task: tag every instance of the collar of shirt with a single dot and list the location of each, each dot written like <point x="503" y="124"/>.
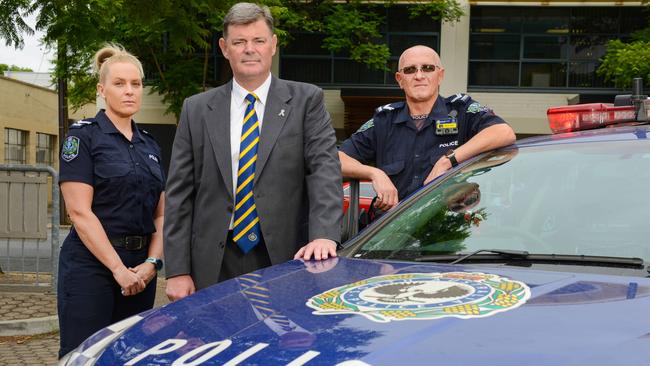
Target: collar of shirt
<point x="107" y="126"/>
<point x="239" y="94"/>
<point x="439" y="111"/>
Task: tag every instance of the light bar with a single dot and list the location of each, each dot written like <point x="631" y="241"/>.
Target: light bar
<point x="587" y="116"/>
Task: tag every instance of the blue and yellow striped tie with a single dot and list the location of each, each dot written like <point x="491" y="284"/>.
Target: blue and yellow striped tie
<point x="246" y="226"/>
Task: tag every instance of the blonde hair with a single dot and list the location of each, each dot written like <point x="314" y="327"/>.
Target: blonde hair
<point x="110" y="54"/>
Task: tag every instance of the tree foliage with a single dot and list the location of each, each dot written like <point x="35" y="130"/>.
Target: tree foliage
<point x="625" y="61"/>
<point x="12" y="24"/>
<point x="175" y="38"/>
<point x="5" y="67"/>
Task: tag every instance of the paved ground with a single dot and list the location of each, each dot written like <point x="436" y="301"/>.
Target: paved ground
<point x="39" y="349"/>
<point x="29" y="350"/>
<point x="21" y="305"/>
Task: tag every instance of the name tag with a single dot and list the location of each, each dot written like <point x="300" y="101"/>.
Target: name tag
<point x="448" y="126"/>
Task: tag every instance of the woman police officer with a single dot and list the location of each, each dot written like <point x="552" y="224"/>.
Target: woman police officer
<point x="113" y="186"/>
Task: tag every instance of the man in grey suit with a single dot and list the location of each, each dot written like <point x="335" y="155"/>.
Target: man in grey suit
<point x="255" y="178"/>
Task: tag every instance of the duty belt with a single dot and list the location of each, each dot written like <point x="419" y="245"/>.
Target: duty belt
<point x="130" y="242"/>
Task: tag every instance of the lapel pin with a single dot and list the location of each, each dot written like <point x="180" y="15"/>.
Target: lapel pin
<point x="281" y="114"/>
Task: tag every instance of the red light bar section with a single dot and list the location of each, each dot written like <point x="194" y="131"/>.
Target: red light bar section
<point x="587" y="116"/>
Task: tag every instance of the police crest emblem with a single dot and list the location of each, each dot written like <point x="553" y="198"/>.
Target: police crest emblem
<point x="423" y="296"/>
<point x="369" y="124"/>
<point x="70" y="148"/>
<point x="476" y="108"/>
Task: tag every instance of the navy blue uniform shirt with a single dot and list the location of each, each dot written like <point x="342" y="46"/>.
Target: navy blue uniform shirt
<point x="392" y="142"/>
<point x="126" y="176"/>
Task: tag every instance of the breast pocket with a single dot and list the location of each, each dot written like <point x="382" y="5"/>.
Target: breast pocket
<point x="112" y="169"/>
<point x="154" y="167"/>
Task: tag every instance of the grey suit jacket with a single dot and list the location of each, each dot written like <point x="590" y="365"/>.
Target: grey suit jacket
<point x="297" y="179"/>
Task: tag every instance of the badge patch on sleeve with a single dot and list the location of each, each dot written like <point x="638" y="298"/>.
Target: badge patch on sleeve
<point x="475" y="108"/>
<point x="70" y="149"/>
<point x="369" y="124"/>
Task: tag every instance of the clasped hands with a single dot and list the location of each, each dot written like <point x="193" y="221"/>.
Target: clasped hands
<point x="134" y="280"/>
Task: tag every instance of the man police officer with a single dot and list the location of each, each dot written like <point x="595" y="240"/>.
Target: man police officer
<point x="413" y="142"/>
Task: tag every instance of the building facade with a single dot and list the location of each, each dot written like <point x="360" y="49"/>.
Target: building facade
<point x="517" y="57"/>
<point x="29" y="123"/>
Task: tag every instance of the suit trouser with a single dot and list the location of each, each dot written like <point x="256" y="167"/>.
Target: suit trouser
<point x="236" y="263"/>
<point x="89" y="298"/>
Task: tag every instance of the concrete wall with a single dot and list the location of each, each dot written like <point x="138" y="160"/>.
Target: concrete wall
<point x="525" y="112"/>
<point x="454" y="53"/>
<point x="336" y="108"/>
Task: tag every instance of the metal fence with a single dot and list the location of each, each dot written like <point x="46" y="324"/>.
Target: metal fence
<point x="29" y="249"/>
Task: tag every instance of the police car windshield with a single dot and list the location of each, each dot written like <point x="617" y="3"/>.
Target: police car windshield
<point x="575" y="199"/>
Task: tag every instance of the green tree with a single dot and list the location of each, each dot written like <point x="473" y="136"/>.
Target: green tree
<point x="624" y="61"/>
<point x="5" y="67"/>
<point x="12" y="24"/>
<point x="174" y="38"/>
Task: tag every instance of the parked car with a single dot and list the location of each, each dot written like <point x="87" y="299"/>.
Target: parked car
<point x="533" y="254"/>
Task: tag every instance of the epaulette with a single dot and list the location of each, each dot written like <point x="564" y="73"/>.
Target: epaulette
<point x="389" y="107"/>
<point x="459" y="97"/>
<point x="82" y="123"/>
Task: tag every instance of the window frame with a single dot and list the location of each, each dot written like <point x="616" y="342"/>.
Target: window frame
<point x="50" y="143"/>
<point x="571" y="61"/>
<point x="21" y="143"/>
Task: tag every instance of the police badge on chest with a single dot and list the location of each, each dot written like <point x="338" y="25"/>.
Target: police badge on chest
<point x="447" y="126"/>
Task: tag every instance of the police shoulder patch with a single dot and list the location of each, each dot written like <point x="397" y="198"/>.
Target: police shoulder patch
<point x="70" y="148"/>
<point x="369" y="124"/>
<point x="476" y="107"/>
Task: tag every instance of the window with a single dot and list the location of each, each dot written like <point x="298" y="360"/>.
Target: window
<point x="304" y="58"/>
<point x="45" y="149"/>
<point x="15" y="146"/>
<point x="524" y="200"/>
<point x="545" y="47"/>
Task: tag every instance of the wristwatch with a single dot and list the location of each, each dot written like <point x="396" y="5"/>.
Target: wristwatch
<point x="451" y="155"/>
<point x="157" y="263"/>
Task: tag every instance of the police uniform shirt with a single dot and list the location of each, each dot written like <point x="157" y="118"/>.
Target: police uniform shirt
<point x="392" y="142"/>
<point x="127" y="176"/>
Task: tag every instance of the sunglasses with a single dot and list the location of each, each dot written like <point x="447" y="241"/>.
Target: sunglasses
<point x="424" y="68"/>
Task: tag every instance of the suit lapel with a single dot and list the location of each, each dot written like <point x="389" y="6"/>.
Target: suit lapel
<point x="218" y="127"/>
<point x="276" y="114"/>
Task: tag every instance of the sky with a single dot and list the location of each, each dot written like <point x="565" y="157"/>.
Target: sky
<point x="33" y="55"/>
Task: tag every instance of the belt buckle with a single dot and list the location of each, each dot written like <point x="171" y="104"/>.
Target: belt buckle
<point x="133" y="242"/>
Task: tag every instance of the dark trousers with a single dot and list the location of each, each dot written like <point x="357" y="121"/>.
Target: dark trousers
<point x="236" y="263"/>
<point x="89" y="298"/>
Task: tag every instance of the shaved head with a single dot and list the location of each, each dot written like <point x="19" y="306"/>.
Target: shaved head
<point x="418" y="51"/>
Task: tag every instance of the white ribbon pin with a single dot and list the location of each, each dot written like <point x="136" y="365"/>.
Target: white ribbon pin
<point x="281" y="114"/>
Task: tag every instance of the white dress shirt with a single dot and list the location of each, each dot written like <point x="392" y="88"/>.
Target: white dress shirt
<point x="237" y="108"/>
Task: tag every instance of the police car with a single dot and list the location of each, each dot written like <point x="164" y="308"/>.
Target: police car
<point x="532" y="254"/>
